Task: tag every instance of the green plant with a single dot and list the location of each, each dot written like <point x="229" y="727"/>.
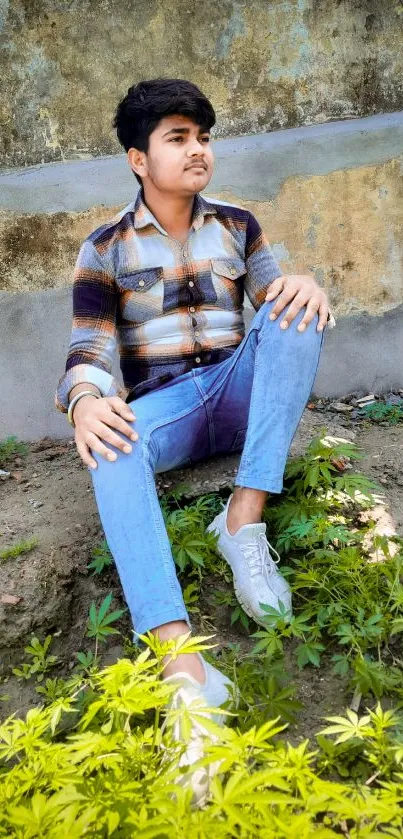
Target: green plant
<point x="95" y="761"/>
<point x="382" y="412"/>
<point x="99" y="622"/>
<point x="101" y="558"/>
<point x="20" y="548"/>
<point x="237" y="614"/>
<point x="193" y="548"/>
<point x="9" y="448"/>
<point x="107" y="768"/>
<point x="41" y="660"/>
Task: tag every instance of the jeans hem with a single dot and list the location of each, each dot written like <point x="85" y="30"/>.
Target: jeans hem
<point x="259" y="482"/>
<point x="160" y="618"/>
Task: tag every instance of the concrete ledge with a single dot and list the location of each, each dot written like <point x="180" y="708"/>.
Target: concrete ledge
<point x="253" y="166"/>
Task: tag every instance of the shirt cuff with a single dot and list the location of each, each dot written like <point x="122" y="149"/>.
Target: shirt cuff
<point x="86" y="374"/>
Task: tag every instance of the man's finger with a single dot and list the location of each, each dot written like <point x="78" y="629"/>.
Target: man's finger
<point x="311" y="310"/>
<point x="297" y="304"/>
<point x="274" y="289"/>
<point x="85" y="455"/>
<point x="286" y="296"/>
<point x="323" y="315"/>
<point x="121" y="407"/>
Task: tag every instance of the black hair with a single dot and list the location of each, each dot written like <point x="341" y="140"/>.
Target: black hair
<point x="147" y="102"/>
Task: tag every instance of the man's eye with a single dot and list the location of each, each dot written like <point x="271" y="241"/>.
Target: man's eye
<point x="176" y="139"/>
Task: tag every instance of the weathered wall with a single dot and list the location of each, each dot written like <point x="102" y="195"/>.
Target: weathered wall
<point x="329" y="198"/>
<point x="266" y="64"/>
<point x="326" y="184"/>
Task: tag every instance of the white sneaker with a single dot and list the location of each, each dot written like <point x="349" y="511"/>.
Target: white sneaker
<point x="256" y="577"/>
<point x="194" y="697"/>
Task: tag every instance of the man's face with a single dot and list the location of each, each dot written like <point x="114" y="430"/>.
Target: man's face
<point x="179" y="158"/>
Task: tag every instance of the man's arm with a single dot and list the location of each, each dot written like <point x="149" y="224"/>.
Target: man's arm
<point x="265" y="282"/>
<point x="93" y="335"/>
<point x="261" y="265"/>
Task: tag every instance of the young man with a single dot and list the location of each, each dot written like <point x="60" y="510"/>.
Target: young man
<point x="166" y="277"/>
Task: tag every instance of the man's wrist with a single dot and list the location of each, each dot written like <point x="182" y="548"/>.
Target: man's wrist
<point x="77" y="398"/>
<point x="81" y="387"/>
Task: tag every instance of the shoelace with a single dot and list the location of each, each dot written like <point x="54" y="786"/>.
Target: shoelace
<point x="258" y="556"/>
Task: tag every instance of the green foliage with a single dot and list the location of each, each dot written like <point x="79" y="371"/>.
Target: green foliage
<point x="9" y="448"/>
<point x="40" y="660"/>
<point x="237" y="614"/>
<point x="109" y="769"/>
<point x="99" y="622"/>
<point x="94" y="760"/>
<point x="20" y="548"/>
<point x="101" y="558"/>
<point x="193" y="548"/>
<point x="382" y="412"/>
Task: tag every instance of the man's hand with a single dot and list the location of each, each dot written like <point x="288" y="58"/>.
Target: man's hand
<point x="302" y="290"/>
<point x="94" y="420"/>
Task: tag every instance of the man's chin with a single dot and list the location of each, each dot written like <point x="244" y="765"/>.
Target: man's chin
<point x="197" y="181"/>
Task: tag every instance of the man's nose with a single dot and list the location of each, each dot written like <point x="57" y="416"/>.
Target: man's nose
<point x="196" y="147"/>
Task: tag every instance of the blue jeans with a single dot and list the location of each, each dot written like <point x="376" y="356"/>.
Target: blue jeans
<point x="251" y="403"/>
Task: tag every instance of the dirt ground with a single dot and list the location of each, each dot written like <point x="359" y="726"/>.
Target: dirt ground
<point x="49" y="590"/>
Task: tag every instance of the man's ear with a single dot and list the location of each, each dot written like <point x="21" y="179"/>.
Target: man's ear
<point x="137" y="161"/>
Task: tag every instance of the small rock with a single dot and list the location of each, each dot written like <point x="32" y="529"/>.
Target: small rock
<point x="4" y="474"/>
<point x="9" y="599"/>
<point x="365" y="400"/>
<point x="394" y="400"/>
<point x="340" y="407"/>
<point x="35" y="504"/>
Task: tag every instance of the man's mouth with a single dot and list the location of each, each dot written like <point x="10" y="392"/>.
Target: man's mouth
<point x="197" y="166"/>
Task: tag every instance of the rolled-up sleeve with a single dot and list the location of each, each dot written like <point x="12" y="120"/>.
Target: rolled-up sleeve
<point x="261" y="266"/>
<point x="93" y="336"/>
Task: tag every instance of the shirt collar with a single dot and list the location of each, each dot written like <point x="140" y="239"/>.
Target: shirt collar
<point x="143" y="216"/>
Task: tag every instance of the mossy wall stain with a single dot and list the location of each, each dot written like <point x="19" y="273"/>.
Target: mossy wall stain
<point x="265" y="65"/>
<point x="345" y="227"/>
<point x="39" y="251"/>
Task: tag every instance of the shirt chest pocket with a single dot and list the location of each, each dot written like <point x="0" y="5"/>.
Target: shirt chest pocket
<point x="227" y="274"/>
<point x="141" y="294"/>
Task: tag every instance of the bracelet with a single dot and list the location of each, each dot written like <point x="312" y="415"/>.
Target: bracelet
<point x="75" y="399"/>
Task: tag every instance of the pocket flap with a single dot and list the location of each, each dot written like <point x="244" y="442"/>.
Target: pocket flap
<point x="231" y="267"/>
<point x="140" y="280"/>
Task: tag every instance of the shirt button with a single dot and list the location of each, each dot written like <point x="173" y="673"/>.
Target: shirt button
<point x="191" y="283"/>
<point x="185" y="253"/>
<point x="197" y="334"/>
<point x="192" y="309"/>
<point x="232" y="271"/>
<point x="197" y="360"/>
<point x="141" y="282"/>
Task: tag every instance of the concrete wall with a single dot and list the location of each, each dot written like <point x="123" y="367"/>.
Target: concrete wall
<point x="329" y="198"/>
<point x="309" y="100"/>
<point x="266" y="64"/>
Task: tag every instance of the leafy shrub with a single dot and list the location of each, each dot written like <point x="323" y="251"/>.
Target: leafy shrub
<point x="95" y="762"/>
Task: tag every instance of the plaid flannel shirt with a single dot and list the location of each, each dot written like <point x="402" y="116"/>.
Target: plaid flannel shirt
<point x="168" y="307"/>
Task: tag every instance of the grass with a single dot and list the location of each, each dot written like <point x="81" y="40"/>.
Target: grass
<point x="9" y="448"/>
<point x="19" y="549"/>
